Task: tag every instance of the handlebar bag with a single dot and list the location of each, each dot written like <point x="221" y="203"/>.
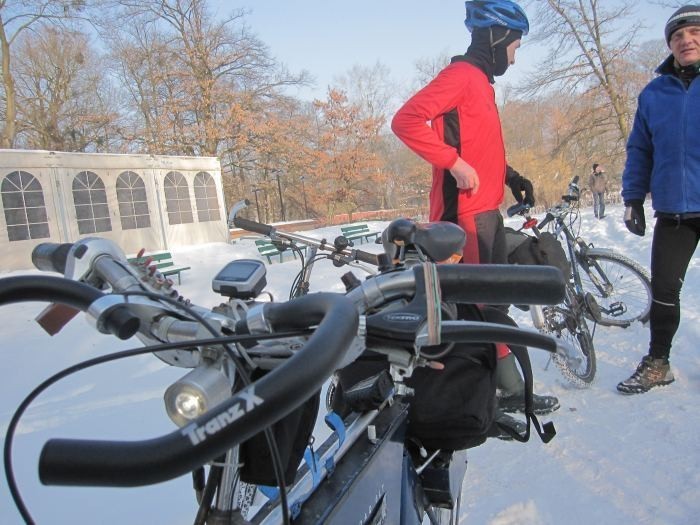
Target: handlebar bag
<point x="451" y="409"/>
<point x="292" y="434"/>
<point x="454" y="408"/>
<point x="545" y="250"/>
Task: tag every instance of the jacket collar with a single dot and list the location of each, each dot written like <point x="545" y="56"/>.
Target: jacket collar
<point x="666" y="67"/>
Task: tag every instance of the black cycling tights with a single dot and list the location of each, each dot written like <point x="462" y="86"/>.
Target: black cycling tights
<point x="672" y="248"/>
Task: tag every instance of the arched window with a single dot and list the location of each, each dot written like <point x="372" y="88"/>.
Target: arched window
<point x="205" y="197"/>
<point x="90" y="200"/>
<point x="177" y="199"/>
<point x="133" y="203"/>
<point x="23" y="202"/>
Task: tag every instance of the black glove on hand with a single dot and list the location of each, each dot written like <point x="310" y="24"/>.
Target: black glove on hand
<point x="634" y="217"/>
<point x="519" y="185"/>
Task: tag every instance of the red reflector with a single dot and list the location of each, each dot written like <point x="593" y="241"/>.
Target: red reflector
<point x="530" y="223"/>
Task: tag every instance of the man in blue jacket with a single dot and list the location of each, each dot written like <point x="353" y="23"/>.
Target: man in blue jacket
<point x="663" y="159"/>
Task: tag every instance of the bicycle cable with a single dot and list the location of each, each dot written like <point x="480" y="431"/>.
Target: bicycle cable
<point x="297" y="282"/>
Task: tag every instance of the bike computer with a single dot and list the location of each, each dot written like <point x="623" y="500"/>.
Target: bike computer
<point x="242" y="279"/>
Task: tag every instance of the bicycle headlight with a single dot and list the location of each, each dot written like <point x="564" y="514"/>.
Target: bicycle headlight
<point x="195" y="393"/>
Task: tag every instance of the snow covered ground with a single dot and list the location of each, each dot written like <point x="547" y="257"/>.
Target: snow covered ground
<point x="616" y="459"/>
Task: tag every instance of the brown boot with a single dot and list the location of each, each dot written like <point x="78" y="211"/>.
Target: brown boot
<point x="650" y="373"/>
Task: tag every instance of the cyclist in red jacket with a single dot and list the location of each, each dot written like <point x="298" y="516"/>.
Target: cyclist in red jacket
<point x="464" y="144"/>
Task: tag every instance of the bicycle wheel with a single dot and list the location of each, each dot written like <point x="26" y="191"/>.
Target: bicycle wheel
<point x="567" y="322"/>
<point x="620" y="287"/>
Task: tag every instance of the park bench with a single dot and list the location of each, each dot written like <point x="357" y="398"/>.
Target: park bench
<point x="357" y="231"/>
<point x="266" y="248"/>
<point x="163" y="261"/>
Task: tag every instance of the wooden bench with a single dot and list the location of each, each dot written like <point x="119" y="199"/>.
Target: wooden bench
<point x="163" y="261"/>
<point x="357" y="231"/>
<point x="267" y="249"/>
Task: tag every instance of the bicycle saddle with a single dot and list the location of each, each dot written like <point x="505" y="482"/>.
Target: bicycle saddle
<point x="437" y="240"/>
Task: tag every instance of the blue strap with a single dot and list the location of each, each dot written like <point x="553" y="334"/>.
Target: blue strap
<point x="335" y="423"/>
<point x="311" y="460"/>
<point x="269" y="492"/>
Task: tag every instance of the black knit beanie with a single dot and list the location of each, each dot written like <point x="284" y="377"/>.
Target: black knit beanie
<point x="688" y="15"/>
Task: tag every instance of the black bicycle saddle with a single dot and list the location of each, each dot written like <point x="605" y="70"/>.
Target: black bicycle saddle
<point x="437" y="240"/>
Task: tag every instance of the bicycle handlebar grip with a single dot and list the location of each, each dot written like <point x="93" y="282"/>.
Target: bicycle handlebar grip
<point x="517" y="209"/>
<point x="481" y="332"/>
<point x="548" y="218"/>
<point x="244" y="414"/>
<point x="366" y="257"/>
<point x="51" y="256"/>
<point x="501" y="284"/>
<point x="253" y="226"/>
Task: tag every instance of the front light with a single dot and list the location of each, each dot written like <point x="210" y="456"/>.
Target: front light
<point x="195" y="393"/>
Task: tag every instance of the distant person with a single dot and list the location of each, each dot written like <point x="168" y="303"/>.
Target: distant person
<point x="464" y="144"/>
<point x="598" y="184"/>
<point x="663" y="158"/>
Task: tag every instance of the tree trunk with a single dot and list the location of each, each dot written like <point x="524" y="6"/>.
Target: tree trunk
<point x="7" y="139"/>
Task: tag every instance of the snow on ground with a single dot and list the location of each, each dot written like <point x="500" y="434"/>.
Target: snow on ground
<point x="615" y="459"/>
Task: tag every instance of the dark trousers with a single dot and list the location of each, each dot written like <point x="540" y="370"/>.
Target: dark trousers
<point x="672" y="248"/>
<point x="486" y="238"/>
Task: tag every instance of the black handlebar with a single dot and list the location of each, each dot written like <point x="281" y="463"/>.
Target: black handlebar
<point x="126" y="464"/>
<point x="500" y="283"/>
<point x="481" y="332"/>
<point x="547" y="219"/>
<point x="366" y="257"/>
<point x="253" y="226"/>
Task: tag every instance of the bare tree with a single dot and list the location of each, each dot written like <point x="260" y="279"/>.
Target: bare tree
<point x="207" y="69"/>
<point x="369" y="88"/>
<point x="16" y="17"/>
<point x="589" y="44"/>
<point x="64" y="102"/>
<point x="427" y="68"/>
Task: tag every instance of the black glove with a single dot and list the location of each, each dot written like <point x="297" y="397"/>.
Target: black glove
<point x="519" y="185"/>
<point x="634" y="217"/>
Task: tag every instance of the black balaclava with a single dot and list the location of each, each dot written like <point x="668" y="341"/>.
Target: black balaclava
<point x="487" y="50"/>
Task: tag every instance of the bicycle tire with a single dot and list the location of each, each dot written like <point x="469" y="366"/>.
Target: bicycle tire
<point x="629" y="298"/>
<point x="567" y="321"/>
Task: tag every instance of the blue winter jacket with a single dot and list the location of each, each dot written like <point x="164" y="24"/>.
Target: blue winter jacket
<point x="663" y="150"/>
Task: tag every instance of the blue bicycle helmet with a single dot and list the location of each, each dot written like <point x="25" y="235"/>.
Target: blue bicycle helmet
<point x="488" y="13"/>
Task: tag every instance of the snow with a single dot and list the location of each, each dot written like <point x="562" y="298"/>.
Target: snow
<point x="615" y="459"/>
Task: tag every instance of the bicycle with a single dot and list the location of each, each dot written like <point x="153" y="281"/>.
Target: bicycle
<point x="219" y="407"/>
<point x="605" y="287"/>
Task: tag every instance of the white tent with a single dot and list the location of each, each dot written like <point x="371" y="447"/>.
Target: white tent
<point x="138" y="201"/>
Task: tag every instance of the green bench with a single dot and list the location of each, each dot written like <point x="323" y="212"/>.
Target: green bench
<point x="267" y="249"/>
<point x="357" y="231"/>
<point x="163" y="261"/>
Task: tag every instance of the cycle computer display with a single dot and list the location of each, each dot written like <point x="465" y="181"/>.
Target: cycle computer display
<point x="242" y="279"/>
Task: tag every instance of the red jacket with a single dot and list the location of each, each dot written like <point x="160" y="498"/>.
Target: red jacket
<point x="461" y="107"/>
